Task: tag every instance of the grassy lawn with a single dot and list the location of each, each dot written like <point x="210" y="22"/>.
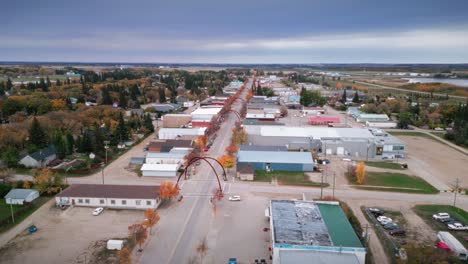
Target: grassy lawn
<point x="5" y="212"/>
<point x="426" y="212"/>
<point x="409" y="133"/>
<point x="298" y="178"/>
<point x="395" y="182"/>
<point x="384" y="165"/>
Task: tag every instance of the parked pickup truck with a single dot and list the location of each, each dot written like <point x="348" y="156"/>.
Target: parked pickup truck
<point x="457" y="226"/>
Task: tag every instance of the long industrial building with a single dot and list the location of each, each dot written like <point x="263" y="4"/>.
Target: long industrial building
<point x="363" y="143"/>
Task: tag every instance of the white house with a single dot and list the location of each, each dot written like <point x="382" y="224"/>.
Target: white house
<point x="205" y="113"/>
<point x="160" y="170"/>
<point x="110" y="196"/>
<point x="19" y="196"/>
<point x="165" y="157"/>
<point x="40" y="158"/>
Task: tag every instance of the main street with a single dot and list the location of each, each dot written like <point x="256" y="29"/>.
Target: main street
<point x="184" y="224"/>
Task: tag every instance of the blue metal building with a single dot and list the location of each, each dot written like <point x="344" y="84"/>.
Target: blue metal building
<point x="276" y="161"/>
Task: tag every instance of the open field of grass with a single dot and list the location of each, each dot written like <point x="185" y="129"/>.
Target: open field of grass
<point x="426" y="212"/>
<point x="5" y="212"/>
<point x="297" y="178"/>
<point x="394" y="182"/>
<point x="411" y="133"/>
<point x="384" y="165"/>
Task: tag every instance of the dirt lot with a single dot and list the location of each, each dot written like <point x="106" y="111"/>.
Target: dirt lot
<point x="438" y="164"/>
<point x="68" y="236"/>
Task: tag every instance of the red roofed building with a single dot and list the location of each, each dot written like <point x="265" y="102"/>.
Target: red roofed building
<point x="323" y="121"/>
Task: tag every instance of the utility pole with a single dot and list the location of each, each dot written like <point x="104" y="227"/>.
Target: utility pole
<point x="12" y="215"/>
<point x="456" y="191"/>
<point x="334" y="174"/>
<point x="321" y="187"/>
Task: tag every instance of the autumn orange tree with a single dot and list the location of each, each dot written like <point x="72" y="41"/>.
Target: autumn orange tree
<point x="168" y="190"/>
<point x="138" y="233"/>
<point x="151" y="219"/>
<point x="360" y="172"/>
<point x="125" y="256"/>
<point x="200" y="143"/>
<point x="339" y="85"/>
<point x="231" y="149"/>
<point x="227" y="161"/>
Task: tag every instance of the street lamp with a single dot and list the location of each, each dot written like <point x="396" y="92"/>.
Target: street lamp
<point x="367" y="153"/>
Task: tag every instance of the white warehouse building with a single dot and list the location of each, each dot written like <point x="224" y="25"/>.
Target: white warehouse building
<point x="175" y="133"/>
<point x="165" y="157"/>
<point x="159" y="170"/>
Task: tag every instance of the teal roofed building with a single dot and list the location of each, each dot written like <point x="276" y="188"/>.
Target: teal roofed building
<point x="312" y="232"/>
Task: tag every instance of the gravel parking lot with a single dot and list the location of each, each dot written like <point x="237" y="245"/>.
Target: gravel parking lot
<point x="435" y="162"/>
<point x="68" y="236"/>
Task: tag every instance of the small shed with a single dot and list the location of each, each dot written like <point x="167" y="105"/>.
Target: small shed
<point x="20" y="196"/>
<point x="245" y="172"/>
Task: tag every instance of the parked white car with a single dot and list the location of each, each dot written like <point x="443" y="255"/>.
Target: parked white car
<point x="234" y="198"/>
<point x="440" y="216"/>
<point x="457" y="226"/>
<point x="98" y="211"/>
<point x="384" y="220"/>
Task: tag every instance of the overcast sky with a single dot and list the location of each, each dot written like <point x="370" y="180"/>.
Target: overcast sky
<point x="240" y="31"/>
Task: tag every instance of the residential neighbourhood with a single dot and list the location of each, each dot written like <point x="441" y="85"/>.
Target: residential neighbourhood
<point x="190" y="132"/>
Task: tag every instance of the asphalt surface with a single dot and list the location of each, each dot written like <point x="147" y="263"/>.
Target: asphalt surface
<point x="186" y="223"/>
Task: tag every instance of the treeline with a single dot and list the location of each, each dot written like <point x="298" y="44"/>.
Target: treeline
<point x="459" y="133"/>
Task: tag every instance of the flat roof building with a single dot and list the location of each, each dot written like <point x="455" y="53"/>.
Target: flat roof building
<point x="304" y="230"/>
<point x="276" y="160"/>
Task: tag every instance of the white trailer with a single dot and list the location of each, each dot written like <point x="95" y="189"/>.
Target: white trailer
<point x="115" y="244"/>
<point x="454" y="245"/>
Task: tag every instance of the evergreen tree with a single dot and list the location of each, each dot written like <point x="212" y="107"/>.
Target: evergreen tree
<point x="22" y="86"/>
<point x="79" y="144"/>
<point x="10" y="156"/>
<point x="98" y="140"/>
<point x="106" y="98"/>
<point x="43" y="85"/>
<point x="259" y="90"/>
<point x="2" y="88"/>
<point x="356" y="97"/>
<point x="148" y="123"/>
<point x="121" y="132"/>
<point x="48" y="83"/>
<point x="68" y="81"/>
<point x="58" y="82"/>
<point x="59" y="144"/>
<point x="37" y="135"/>
<point x="162" y="95"/>
<point x="87" y="142"/>
<point x="122" y="99"/>
<point x="70" y="143"/>
<point x="344" y="96"/>
<point x="9" y="84"/>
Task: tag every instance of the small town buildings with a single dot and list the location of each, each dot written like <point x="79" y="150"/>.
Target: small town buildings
<point x="276" y="160"/>
<point x="169" y="145"/>
<point x="178" y="133"/>
<point x="382" y="125"/>
<point x="318" y="231"/>
<point x="246" y="173"/>
<point x="165" y="157"/>
<point x="261" y="117"/>
<point x="40" y="158"/>
<point x="262" y="148"/>
<point x="176" y="120"/>
<point x="363" y="118"/>
<point x="159" y="170"/>
<point x="323" y="120"/>
<point x="205" y="113"/>
<point x="110" y="196"/>
<point x="21" y="196"/>
<point x="361" y="143"/>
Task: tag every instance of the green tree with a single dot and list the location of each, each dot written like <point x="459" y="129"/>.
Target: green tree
<point x="344" y="96"/>
<point x="148" y="123"/>
<point x="356" y="97"/>
<point x="404" y="120"/>
<point x="106" y="98"/>
<point x="9" y="84"/>
<point x="259" y="90"/>
<point x="70" y="143"/>
<point x="122" y="99"/>
<point x="37" y="135"/>
<point x="48" y="83"/>
<point x="121" y="132"/>
<point x="162" y="95"/>
<point x="10" y="156"/>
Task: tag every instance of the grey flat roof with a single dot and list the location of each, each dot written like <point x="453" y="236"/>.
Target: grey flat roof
<point x="316" y="257"/>
<point x="275" y="157"/>
<point x="298" y="223"/>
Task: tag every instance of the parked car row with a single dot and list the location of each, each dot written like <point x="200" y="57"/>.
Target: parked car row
<point x="451" y="223"/>
<point x="387" y="223"/>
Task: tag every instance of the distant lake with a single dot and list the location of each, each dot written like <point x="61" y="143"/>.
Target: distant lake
<point x="458" y="82"/>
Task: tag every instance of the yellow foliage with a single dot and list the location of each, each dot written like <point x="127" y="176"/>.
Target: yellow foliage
<point x="227" y="161"/>
<point x="360" y="172"/>
<point x="58" y="104"/>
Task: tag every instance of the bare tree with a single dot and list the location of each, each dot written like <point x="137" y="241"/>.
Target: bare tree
<point x="202" y="249"/>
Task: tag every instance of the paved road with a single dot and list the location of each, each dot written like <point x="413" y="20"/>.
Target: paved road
<point x="185" y="224"/>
